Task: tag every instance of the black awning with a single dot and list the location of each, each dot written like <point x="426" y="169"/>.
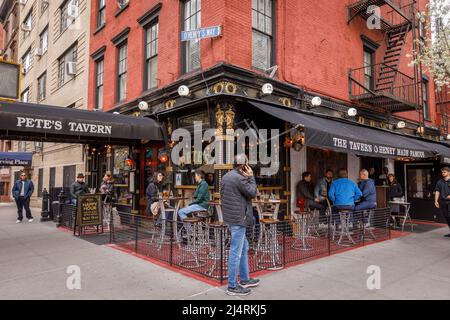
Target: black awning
<point x="343" y="136"/>
<point x="27" y="121"/>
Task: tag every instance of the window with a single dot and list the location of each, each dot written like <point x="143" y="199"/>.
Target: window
<point x="262" y="34"/>
<point x="99" y="70"/>
<point x="151" y="56"/>
<point x="69" y="12"/>
<point x="101" y="15"/>
<point x="43" y="40"/>
<point x="40" y="182"/>
<point x="42" y="87"/>
<point x="52" y="177"/>
<point x="25" y="95"/>
<point x="44" y="6"/>
<point x="63" y="70"/>
<point x="68" y="175"/>
<point x="425" y="102"/>
<point x="22" y="147"/>
<point x="191" y="21"/>
<point x="368" y="68"/>
<point x="122" y="72"/>
<point x="26" y="61"/>
<point x="28" y="23"/>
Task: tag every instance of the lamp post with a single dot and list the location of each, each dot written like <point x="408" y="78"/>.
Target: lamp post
<point x="45" y="212"/>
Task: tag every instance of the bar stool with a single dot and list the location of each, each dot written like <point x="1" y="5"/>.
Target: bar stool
<point x="344" y="215"/>
<point x="193" y="227"/>
<point x="368" y="227"/>
<point x="217" y="248"/>
<point x="301" y="229"/>
<point x="267" y="247"/>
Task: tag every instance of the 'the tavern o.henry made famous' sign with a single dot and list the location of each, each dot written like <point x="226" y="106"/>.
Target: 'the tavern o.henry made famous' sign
<point x="89" y="210"/>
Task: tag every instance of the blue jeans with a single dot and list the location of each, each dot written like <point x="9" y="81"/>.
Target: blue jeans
<point x="183" y="212"/>
<point x="337" y="217"/>
<point x="364" y="205"/>
<point x="238" y="257"/>
<point x="73" y="201"/>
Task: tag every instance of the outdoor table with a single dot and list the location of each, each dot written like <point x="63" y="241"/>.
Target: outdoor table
<point x="177" y="202"/>
<point x="407" y="206"/>
<point x="301" y="221"/>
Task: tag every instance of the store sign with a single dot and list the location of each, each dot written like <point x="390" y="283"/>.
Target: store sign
<point x="16" y="159"/>
<point x="202" y="33"/>
<point x="89" y="210"/>
<point x="375" y="149"/>
<point x="59" y="125"/>
<point x="445" y="160"/>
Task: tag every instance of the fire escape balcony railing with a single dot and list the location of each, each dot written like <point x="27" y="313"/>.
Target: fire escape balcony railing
<point x="383" y="86"/>
<point x="397" y="11"/>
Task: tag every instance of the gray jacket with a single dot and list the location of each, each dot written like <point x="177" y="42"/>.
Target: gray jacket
<point x="237" y="193"/>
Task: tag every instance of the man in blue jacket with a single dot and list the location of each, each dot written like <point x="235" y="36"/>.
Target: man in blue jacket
<point x="344" y="192"/>
<point x="369" y="193"/>
<point x="22" y="191"/>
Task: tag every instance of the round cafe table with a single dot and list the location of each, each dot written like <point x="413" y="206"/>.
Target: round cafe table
<point x="164" y="210"/>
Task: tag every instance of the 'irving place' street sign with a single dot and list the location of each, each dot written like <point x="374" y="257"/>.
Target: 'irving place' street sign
<point x="202" y="33"/>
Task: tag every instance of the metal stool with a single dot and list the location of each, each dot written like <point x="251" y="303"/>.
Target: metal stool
<point x="217" y="248"/>
<point x="267" y="246"/>
<point x="345" y="228"/>
<point x="369" y="226"/>
<point x="193" y="228"/>
<point x="301" y="230"/>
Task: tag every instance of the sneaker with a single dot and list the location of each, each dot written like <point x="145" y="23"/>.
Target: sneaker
<point x="30" y="220"/>
<point x="238" y="291"/>
<point x="18" y="221"/>
<point x="249" y="283"/>
<point x="447" y="235"/>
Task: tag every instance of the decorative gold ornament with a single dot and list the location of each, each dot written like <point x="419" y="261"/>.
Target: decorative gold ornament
<point x="229" y="115"/>
<point x="224" y="86"/>
<point x="285" y="101"/>
<point x="170" y="103"/>
<point x="220" y="115"/>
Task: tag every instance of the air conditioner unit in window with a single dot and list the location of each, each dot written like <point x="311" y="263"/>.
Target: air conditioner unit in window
<point x="71" y="68"/>
<point x="39" y="52"/>
<point x="24" y="70"/>
<point x="26" y="27"/>
<point x="122" y="3"/>
<point x="23" y="2"/>
<point x="73" y="11"/>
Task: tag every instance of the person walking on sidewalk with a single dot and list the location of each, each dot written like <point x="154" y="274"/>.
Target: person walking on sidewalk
<point x="238" y="188"/>
<point x="22" y="191"/>
<point x="442" y="195"/>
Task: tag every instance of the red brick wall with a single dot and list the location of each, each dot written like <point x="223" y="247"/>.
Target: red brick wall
<point x="315" y="47"/>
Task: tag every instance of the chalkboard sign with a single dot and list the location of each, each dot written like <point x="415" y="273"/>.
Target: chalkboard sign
<point x="89" y="210"/>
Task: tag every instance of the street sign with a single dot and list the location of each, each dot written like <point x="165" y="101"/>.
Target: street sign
<point x="10" y="80"/>
<point x="202" y="33"/>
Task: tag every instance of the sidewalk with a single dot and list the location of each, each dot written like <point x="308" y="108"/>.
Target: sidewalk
<point x="34" y="258"/>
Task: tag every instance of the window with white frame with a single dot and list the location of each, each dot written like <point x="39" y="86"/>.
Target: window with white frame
<point x="69" y="57"/>
<point x="151" y="55"/>
<point x="69" y="11"/>
<point x="101" y="13"/>
<point x="28" y="23"/>
<point x="26" y="61"/>
<point x="99" y="71"/>
<point x="262" y="34"/>
<point x="43" y="40"/>
<point x="191" y="21"/>
<point x="122" y="72"/>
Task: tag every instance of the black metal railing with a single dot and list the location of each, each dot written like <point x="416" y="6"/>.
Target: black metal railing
<point x="384" y="80"/>
<point x="391" y="16"/>
<point x="203" y="248"/>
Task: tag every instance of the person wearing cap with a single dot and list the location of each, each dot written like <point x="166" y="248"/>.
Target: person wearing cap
<point x="442" y="195"/>
<point x="77" y="188"/>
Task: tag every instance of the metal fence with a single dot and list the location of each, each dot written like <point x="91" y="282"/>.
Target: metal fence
<point x="203" y="248"/>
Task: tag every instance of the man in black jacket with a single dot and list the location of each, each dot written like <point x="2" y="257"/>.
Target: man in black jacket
<point x="305" y="190"/>
<point x="77" y="188"/>
<point x="442" y="195"/>
<point x="237" y="191"/>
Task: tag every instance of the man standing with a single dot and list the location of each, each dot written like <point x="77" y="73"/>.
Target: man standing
<point x="77" y="188"/>
<point x="442" y="195"/>
<point x="238" y="188"/>
<point x="201" y="196"/>
<point x="22" y="191"/>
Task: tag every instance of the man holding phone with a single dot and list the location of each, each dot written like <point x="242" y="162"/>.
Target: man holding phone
<point x="238" y="188"/>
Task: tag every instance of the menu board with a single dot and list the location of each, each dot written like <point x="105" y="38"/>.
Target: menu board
<point x="89" y="210"/>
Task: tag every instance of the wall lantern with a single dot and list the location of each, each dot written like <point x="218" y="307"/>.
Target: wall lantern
<point x="163" y="155"/>
<point x="448" y="137"/>
<point x="183" y="91"/>
<point x="401" y="125"/>
<point x="316" y="101"/>
<point x="143" y="106"/>
<point x="267" y="89"/>
<point x="129" y="162"/>
<point x="352" y="112"/>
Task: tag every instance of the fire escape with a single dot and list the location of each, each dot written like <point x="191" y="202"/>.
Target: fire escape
<point x="382" y="85"/>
